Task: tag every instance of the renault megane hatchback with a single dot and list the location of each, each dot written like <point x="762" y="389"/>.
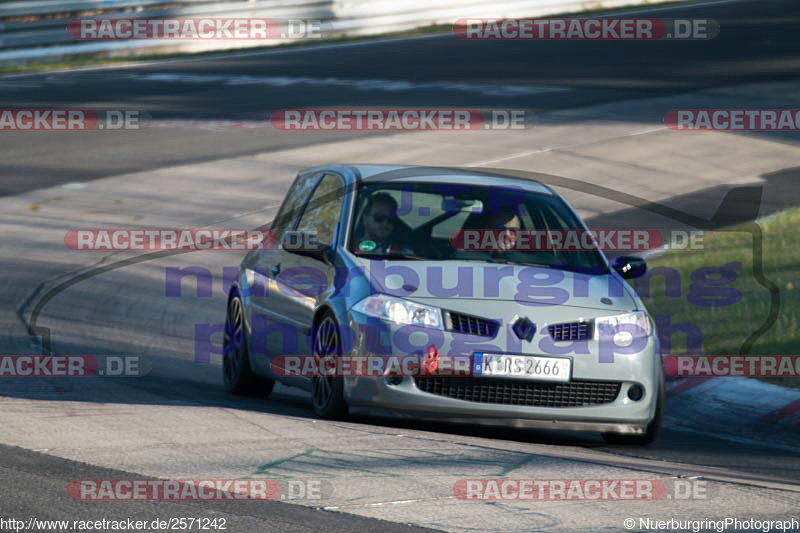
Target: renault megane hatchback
<point x="447" y="267"/>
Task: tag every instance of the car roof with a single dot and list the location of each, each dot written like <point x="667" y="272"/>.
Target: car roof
<point x="411" y="173"/>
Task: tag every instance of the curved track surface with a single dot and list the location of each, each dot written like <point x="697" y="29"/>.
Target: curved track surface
<point x="206" y="156"/>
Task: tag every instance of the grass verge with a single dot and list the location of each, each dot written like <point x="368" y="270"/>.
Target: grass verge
<point x="725" y="328"/>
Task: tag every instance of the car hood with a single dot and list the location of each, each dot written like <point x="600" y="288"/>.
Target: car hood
<point x="473" y="280"/>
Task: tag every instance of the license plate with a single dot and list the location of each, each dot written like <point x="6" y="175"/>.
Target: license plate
<point x="522" y="366"/>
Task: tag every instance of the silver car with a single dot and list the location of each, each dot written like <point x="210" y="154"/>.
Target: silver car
<point x="384" y="261"/>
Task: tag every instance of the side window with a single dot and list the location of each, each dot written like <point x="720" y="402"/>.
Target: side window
<point x="292" y="203"/>
<point x="322" y="213"/>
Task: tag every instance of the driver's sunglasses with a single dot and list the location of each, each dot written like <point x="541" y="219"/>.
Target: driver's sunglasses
<point x="380" y="219"/>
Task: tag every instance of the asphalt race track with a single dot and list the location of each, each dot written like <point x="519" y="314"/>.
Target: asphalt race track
<point x="757" y="43"/>
<point x="206" y="156"/>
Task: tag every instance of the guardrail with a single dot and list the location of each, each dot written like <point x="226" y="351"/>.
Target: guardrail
<point x="36" y="30"/>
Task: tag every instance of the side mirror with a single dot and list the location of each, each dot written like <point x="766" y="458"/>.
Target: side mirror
<point x="629" y="267"/>
<point x="304" y="243"/>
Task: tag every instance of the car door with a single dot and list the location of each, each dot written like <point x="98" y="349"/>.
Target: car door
<point x="273" y="330"/>
<point x="304" y="281"/>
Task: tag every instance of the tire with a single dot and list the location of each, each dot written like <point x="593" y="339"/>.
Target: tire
<point x="327" y="393"/>
<point x="237" y="374"/>
<point x="650" y="434"/>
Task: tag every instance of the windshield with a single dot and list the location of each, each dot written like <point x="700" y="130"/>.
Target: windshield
<point x="442" y="222"/>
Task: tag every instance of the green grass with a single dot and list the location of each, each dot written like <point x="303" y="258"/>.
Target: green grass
<point x="79" y="61"/>
<point x="726" y="329"/>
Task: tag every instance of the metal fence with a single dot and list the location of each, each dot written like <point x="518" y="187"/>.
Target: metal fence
<point x="35" y="30"/>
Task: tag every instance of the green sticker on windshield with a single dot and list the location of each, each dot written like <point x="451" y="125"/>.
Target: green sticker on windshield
<point x="367" y="246"/>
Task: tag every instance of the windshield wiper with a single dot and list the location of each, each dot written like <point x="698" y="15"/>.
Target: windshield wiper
<point x="554" y="266"/>
<point x="394" y="255"/>
<point x="521" y="263"/>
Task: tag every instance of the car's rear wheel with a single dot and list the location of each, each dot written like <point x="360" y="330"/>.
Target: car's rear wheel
<point x="327" y="392"/>
<point x="237" y="374"/>
<point x="650" y="434"/>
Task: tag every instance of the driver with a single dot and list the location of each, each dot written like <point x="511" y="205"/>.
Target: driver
<point x="506" y="219"/>
<point x="380" y="226"/>
<point x="506" y="222"/>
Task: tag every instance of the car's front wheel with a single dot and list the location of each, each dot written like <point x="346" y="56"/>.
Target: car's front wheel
<point x="237" y="374"/>
<point x="327" y="392"/>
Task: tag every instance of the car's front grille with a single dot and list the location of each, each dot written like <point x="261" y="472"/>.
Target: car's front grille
<point x="570" y="331"/>
<point x="470" y="325"/>
<point x="521" y="392"/>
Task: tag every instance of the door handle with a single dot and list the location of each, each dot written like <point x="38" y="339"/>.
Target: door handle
<point x="275" y="270"/>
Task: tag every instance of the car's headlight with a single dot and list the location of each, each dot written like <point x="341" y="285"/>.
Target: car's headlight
<point x="640" y="319"/>
<point x="400" y="311"/>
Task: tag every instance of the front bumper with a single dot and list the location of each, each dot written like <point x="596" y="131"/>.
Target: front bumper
<point x="406" y="398"/>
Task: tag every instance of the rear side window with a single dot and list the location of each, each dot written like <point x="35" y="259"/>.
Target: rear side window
<point x="292" y="204"/>
<point x="322" y="213"/>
